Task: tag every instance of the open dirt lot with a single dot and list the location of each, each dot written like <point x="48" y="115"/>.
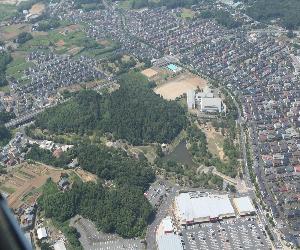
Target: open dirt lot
<point x="180" y="85"/>
<point x="37" y="9"/>
<point x="215" y="140"/>
<point x="85" y="176"/>
<point x="149" y="72"/>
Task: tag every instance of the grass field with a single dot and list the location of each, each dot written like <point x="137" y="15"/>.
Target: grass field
<point x="4" y="89"/>
<point x="125" y="4"/>
<point x="17" y="66"/>
<point x="11" y="31"/>
<point x="72" y="42"/>
<point x="187" y="13"/>
<point x="7" y="11"/>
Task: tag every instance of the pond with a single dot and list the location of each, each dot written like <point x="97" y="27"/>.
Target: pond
<point x="180" y="154"/>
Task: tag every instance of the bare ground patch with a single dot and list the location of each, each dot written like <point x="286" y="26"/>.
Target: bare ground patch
<point x="215" y="141"/>
<point x="25" y="179"/>
<point x="149" y="72"/>
<point x="37" y="9"/>
<point x="179" y="86"/>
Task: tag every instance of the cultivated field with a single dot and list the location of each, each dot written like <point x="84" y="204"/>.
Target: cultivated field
<point x="23" y="184"/>
<point x="180" y="85"/>
<point x="10" y="32"/>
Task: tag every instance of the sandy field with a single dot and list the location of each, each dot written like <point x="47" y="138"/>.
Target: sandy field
<point x="37" y="9"/>
<point x="149" y="72"/>
<point x="179" y="86"/>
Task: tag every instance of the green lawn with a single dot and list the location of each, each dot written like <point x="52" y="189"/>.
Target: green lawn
<point x="17" y="66"/>
<point x="4" y="89"/>
<point x="187" y="13"/>
<point x="125" y="4"/>
<point x="9" y="190"/>
<point x="7" y="11"/>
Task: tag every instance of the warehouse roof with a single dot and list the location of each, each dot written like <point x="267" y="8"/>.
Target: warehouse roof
<point x="167" y="224"/>
<point x="169" y="241"/>
<point x="42" y="233"/>
<point x="195" y="205"/>
<point x="244" y="205"/>
<point x="59" y="245"/>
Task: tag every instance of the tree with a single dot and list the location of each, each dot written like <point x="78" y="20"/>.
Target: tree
<point x="5" y="135"/>
<point x="133" y="112"/>
<point x="23" y="37"/>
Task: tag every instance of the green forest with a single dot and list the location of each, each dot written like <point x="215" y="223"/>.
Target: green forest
<point x="107" y="163"/>
<point x="5" y="59"/>
<point x="45" y="156"/>
<point x="122" y="209"/>
<point x="222" y="17"/>
<point x="133" y="112"/>
<point x="5" y="134"/>
<point x="265" y="10"/>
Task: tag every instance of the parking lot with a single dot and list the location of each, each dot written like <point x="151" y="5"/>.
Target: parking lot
<point x="230" y="234"/>
<point x="91" y="239"/>
<point x="156" y="192"/>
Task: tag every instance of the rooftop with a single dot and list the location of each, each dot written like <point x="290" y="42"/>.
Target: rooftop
<point x="169" y="241"/>
<point x="244" y="205"/>
<point x="194" y="205"/>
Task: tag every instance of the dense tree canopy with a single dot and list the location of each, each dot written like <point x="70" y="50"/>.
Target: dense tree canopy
<point x="48" y="24"/>
<point x="265" y="10"/>
<point x="122" y="210"/>
<point x="45" y="156"/>
<point x="6" y="117"/>
<point x="133" y="112"/>
<point x="115" y="165"/>
<point x="222" y="17"/>
<point x="5" y="59"/>
<point x="5" y="135"/>
<point x="23" y="37"/>
<point x="171" y="4"/>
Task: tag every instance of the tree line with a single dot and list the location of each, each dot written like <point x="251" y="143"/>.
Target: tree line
<point x="170" y="4"/>
<point x="133" y="112"/>
<point x="222" y="17"/>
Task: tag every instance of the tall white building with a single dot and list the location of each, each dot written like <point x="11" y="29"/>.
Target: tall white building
<point x="205" y="101"/>
<point x="190" y="95"/>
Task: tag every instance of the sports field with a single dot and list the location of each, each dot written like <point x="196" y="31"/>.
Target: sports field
<point x="149" y="72"/>
<point x="176" y="87"/>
